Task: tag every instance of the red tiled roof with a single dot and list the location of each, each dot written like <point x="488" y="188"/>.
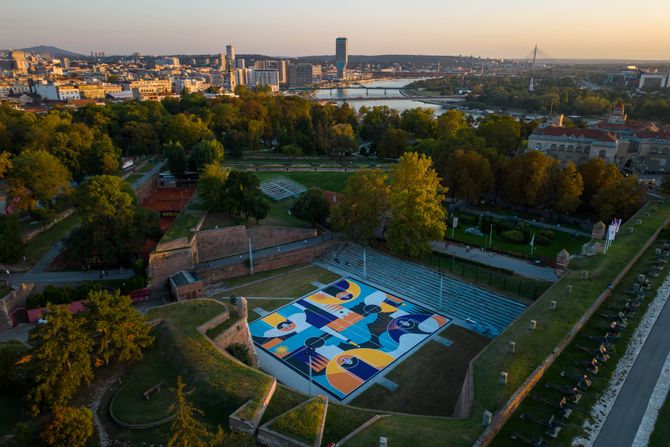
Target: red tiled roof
<point x="74" y="308"/>
<point x="557" y="131"/>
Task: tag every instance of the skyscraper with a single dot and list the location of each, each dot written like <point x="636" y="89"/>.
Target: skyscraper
<point x="230" y="56"/>
<point x="341" y="56"/>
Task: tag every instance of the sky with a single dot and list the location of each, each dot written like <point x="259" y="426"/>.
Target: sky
<point x="603" y="29"/>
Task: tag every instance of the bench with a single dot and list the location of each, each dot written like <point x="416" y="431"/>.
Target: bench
<point x="148" y="392"/>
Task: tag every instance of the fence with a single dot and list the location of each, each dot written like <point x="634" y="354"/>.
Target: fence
<point x="492" y="278"/>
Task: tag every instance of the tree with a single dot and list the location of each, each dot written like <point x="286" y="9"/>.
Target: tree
<point x="415" y="206"/>
<point x="525" y="178"/>
<point x="61" y="358"/>
<point x="69" y="427"/>
<point x="5" y="163"/>
<point x="501" y="132"/>
<point x="665" y="184"/>
<point x="176" y="158"/>
<point x="186" y="130"/>
<point x="187" y="430"/>
<point x="341" y="139"/>
<point x="468" y="175"/>
<point x="566" y="187"/>
<point x="116" y="325"/>
<point x="205" y="153"/>
<point x="596" y="175"/>
<point x="620" y="199"/>
<point x="102" y="158"/>
<point x="450" y="123"/>
<point x="361" y="208"/>
<point x="393" y="144"/>
<point x="11" y="245"/>
<point x="41" y="175"/>
<point x="211" y="187"/>
<point x="312" y="206"/>
<point x="419" y="121"/>
<point x="243" y="197"/>
<point x="104" y="199"/>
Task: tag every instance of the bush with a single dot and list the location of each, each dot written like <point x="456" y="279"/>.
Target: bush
<point x="240" y="352"/>
<point x="514" y="236"/>
<point x="542" y="240"/>
<point x="312" y="206"/>
<point x="547" y="234"/>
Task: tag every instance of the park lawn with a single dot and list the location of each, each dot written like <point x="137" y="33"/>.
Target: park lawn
<point x="566" y="362"/>
<point x="505" y="281"/>
<point x="441" y="366"/>
<point x="182" y="226"/>
<point x="328" y="181"/>
<point x="156" y="367"/>
<point x="293" y="284"/>
<point x="303" y="423"/>
<point x="278" y="214"/>
<point x="661" y="433"/>
<point x="217" y="220"/>
<point x="560" y="241"/>
<point x="35" y="248"/>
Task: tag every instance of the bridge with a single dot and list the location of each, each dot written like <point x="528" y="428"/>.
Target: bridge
<point x="446" y="98"/>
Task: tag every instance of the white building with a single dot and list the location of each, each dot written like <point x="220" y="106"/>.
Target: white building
<point x="654" y="80"/>
<point x="261" y="77"/>
<point x="54" y="92"/>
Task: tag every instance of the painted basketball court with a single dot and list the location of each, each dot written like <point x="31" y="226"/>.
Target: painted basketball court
<point x="349" y="332"/>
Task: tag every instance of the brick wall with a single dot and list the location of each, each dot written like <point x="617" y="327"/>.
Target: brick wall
<point x="166" y="263"/>
<point x="267" y="263"/>
<point x="15" y="299"/>
<point x="147" y="188"/>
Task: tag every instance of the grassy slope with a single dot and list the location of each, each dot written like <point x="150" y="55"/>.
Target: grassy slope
<point x="661" y="435"/>
<point x="39" y="245"/>
<point x="290" y="285"/>
<point x="302" y="423"/>
<point x="182" y="226"/>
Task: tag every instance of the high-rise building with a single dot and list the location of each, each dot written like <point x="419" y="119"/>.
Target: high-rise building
<point x="230" y="56"/>
<point x="341" y="56"/>
<point x="302" y="74"/>
<point x="262" y="77"/>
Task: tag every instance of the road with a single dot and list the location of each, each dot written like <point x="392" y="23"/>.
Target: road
<point x="624" y="418"/>
<point x="518" y="266"/>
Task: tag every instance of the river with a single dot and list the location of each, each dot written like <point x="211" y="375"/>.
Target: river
<point x="340" y="95"/>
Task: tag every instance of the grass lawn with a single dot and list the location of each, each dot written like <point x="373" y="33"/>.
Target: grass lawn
<point x="661" y="434"/>
<point x="279" y="215"/>
<point x="39" y="245"/>
<point x="566" y="362"/>
<point x="293" y="284"/>
<point x="329" y="181"/>
<point x="441" y="366"/>
<point x="182" y="226"/>
<point x="302" y="423"/>
<point x="504" y="281"/>
<point x="156" y="367"/>
<point x="217" y="220"/>
<point x="132" y="178"/>
<point x="560" y="241"/>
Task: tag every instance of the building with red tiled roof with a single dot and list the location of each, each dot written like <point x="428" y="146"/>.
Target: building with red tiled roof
<point x="617" y="140"/>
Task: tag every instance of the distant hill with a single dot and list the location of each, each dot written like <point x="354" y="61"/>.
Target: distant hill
<point x="53" y="51"/>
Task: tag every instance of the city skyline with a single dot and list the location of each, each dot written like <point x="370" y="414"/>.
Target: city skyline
<point x="373" y="27"/>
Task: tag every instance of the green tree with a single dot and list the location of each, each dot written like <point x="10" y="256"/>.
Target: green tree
<point x="187" y="430"/>
<point x="187" y="130"/>
<point x="41" y="175"/>
<point x="416" y="213"/>
<point x="5" y="163"/>
<point x="116" y="325"/>
<point x="341" y="139"/>
<point x="468" y="175"/>
<point x="597" y="174"/>
<point x="211" y="187"/>
<point x="360" y="210"/>
<point x="61" y="358"/>
<point x="104" y="200"/>
<point x="102" y="158"/>
<point x="450" y="123"/>
<point x="312" y="206"/>
<point x="566" y="188"/>
<point x="243" y="197"/>
<point x="205" y="153"/>
<point x="11" y="245"/>
<point x="620" y="200"/>
<point x="176" y="158"/>
<point x="525" y="178"/>
<point x="393" y="144"/>
<point x="69" y="427"/>
<point x="419" y="121"/>
<point x="501" y="132"/>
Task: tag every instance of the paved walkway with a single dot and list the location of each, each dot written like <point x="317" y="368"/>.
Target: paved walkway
<point x="67" y="277"/>
<point x="624" y="418"/>
<point x="518" y="266"/>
